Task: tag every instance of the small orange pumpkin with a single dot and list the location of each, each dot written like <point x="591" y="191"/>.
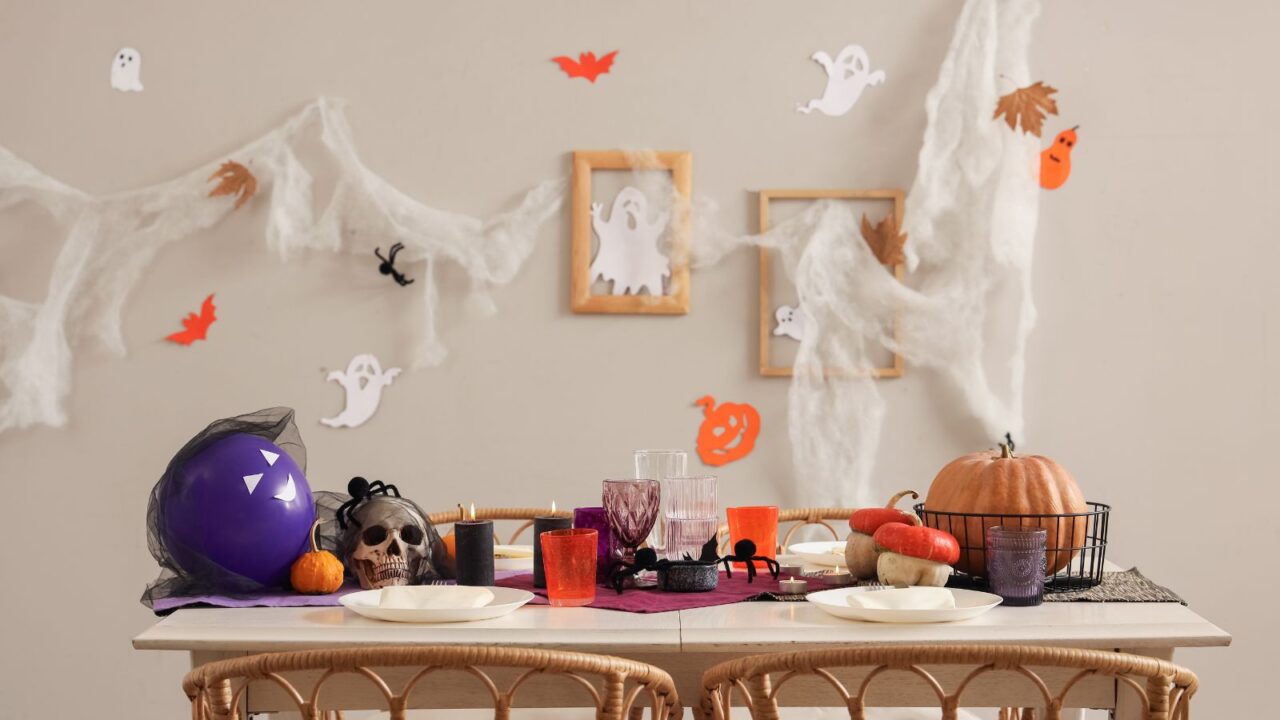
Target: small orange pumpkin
<point x="1055" y="160"/>
<point x="318" y="572"/>
<point x="728" y="432"/>
<point x="997" y="482"/>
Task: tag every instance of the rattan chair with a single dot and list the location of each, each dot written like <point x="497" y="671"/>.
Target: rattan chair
<point x="801" y="517"/>
<point x="613" y="685"/>
<point x="1163" y="689"/>
<point x="448" y="517"/>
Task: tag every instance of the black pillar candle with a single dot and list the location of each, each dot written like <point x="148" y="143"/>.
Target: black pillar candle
<point x="541" y="524"/>
<point x="475" y="552"/>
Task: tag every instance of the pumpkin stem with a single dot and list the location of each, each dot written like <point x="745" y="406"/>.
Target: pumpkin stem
<point x="1005" y="451"/>
<point x="894" y="500"/>
<point x="311" y="534"/>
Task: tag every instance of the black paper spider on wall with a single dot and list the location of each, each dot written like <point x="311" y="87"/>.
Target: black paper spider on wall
<point x="388" y="266"/>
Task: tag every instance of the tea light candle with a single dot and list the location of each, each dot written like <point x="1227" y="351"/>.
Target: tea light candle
<point x="838" y="577"/>
<point x="475" y="550"/>
<point x="793" y="586"/>
<point x="791" y="571"/>
<point x="541" y="524"/>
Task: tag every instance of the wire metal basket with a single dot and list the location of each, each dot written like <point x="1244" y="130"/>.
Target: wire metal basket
<point x="1075" y="550"/>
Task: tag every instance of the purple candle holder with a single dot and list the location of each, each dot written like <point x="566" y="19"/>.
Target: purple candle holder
<point x="1016" y="563"/>
<point x="594" y="518"/>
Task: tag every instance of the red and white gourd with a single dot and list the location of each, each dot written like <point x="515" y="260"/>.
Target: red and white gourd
<point x="860" y="552"/>
<point x="915" y="555"/>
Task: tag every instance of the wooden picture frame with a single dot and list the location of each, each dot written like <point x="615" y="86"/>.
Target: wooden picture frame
<point x="680" y="165"/>
<point x="767" y="368"/>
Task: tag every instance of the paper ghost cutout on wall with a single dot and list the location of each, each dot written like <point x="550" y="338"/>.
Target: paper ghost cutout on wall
<point x="628" y="255"/>
<point x="790" y="322"/>
<point x="126" y="70"/>
<point x="847" y="76"/>
<point x="728" y="432"/>
<point x="363" y="381"/>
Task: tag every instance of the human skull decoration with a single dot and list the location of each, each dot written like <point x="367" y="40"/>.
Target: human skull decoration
<point x="390" y="542"/>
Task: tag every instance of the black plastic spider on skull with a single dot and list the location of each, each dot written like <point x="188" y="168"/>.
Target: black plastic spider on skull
<point x="388" y="266"/>
<point x="360" y="490"/>
<point x="744" y="551"/>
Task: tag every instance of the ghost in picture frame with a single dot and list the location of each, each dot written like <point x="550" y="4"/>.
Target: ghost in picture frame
<point x="630" y="247"/>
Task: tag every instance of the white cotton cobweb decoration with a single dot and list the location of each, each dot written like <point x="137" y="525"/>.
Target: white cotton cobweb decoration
<point x="971" y="220"/>
<point x="112" y="239"/>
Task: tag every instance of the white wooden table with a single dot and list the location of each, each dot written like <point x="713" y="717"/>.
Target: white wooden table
<point x="687" y="642"/>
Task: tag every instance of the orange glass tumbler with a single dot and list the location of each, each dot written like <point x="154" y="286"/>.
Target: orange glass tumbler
<point x="569" y="563"/>
<point x="759" y="524"/>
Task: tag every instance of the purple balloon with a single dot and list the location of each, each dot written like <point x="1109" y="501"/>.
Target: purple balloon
<point x="241" y="505"/>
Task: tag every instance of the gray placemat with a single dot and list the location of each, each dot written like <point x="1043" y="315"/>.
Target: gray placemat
<point x="1124" y="586"/>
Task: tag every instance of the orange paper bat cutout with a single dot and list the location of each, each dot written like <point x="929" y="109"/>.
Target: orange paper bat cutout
<point x="586" y="66"/>
<point x="197" y="326"/>
<point x="728" y="432"/>
<point x="234" y="179"/>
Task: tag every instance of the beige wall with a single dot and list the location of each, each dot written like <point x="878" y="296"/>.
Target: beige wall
<point x="1151" y="372"/>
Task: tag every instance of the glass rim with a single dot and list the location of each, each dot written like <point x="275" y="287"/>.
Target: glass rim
<point x="660" y="451"/>
<point x="629" y="481"/>
<point x="752" y="507"/>
<point x="568" y="532"/>
<point x="692" y="477"/>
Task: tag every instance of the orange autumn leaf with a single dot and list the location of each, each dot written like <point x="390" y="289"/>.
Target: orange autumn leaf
<point x="1026" y="107"/>
<point x="234" y="179"/>
<point x="885" y="240"/>
<point x="728" y="432"/>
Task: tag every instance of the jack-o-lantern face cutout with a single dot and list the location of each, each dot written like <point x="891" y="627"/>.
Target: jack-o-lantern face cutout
<point x="728" y="432"/>
<point x="1055" y="161"/>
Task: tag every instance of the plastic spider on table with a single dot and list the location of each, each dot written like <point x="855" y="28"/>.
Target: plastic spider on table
<point x="744" y="551"/>
<point x="360" y="489"/>
<point x="646" y="559"/>
<point x="388" y="266"/>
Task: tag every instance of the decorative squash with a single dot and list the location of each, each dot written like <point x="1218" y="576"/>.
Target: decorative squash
<point x="860" y="551"/>
<point x="318" y="572"/>
<point x="915" y="555"/>
<point x="996" y="482"/>
<point x="1055" y="160"/>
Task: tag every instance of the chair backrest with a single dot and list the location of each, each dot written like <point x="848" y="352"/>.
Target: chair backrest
<point x="613" y="685"/>
<point x="801" y="517"/>
<point x="448" y="517"/>
<point x="1164" y="689"/>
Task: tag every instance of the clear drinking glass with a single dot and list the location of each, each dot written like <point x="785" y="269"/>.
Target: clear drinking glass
<point x="688" y="535"/>
<point x="660" y="465"/>
<point x="690" y="497"/>
<point x="1016" y="563"/>
<point x="632" y="508"/>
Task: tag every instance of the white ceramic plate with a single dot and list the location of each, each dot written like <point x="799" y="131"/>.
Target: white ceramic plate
<point x="820" y="553"/>
<point x="505" y="600"/>
<point x="969" y="604"/>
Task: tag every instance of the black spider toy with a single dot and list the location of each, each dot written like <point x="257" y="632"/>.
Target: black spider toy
<point x="744" y="551"/>
<point x="360" y="490"/>
<point x="388" y="266"/>
<point x="646" y="559"/>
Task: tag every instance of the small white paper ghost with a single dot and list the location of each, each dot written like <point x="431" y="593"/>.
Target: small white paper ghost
<point x="126" y="70"/>
<point x="847" y="76"/>
<point x="363" y="381"/>
<point x="628" y="254"/>
<point x="790" y="322"/>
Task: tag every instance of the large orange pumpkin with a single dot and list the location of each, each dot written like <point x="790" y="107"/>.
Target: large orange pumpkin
<point x="996" y="482"/>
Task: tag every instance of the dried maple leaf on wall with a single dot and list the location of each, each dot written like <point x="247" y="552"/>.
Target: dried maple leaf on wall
<point x="1027" y="107"/>
<point x="234" y="179"/>
<point x="884" y="239"/>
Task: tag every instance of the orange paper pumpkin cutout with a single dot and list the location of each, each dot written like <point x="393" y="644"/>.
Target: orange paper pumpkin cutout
<point x="1055" y="161"/>
<point x="728" y="432"/>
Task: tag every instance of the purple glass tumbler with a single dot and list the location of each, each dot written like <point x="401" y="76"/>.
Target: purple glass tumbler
<point x="593" y="518"/>
<point x="1016" y="563"/>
